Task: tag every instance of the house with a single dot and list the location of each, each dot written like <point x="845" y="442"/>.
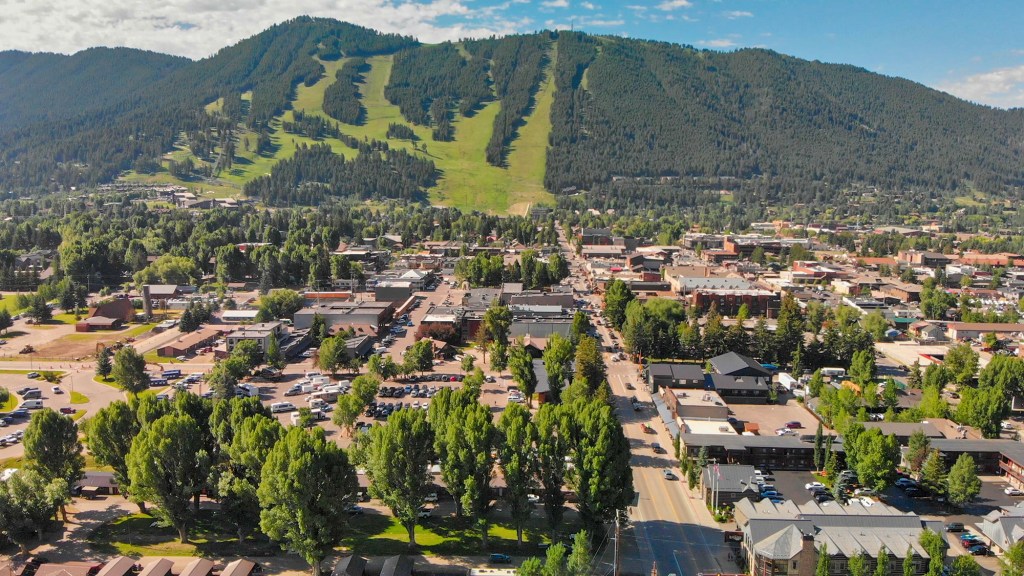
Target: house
<point x="120" y="308"/>
<point x="543" y="388"/>
<point x="786" y="538"/>
<point x="159" y="567"/>
<point x="727" y="484"/>
<point x="664" y="375"/>
<point x="94" y="482"/>
<point x="350" y="566"/>
<point x="120" y="566"/>
<point x="400" y="565"/>
<point x="925" y="331"/>
<point x="1004" y="527"/>
<point x="198" y="567"/>
<point x="733" y="364"/>
<point x="240" y="567"/>
<point x="98" y="323"/>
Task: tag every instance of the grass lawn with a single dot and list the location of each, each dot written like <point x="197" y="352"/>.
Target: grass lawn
<point x="90" y="462"/>
<point x="16" y="371"/>
<point x="372" y="535"/>
<point x="133" y="332"/>
<point x="109" y="382"/>
<point x="10" y="404"/>
<point x="155" y="358"/>
<point x="8" y="303"/>
<point x="78" y="415"/>
<point x="79" y="398"/>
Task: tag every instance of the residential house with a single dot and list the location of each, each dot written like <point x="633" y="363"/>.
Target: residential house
<point x="727" y="484"/>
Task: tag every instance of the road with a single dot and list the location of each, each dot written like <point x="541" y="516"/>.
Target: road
<point x="668" y="524"/>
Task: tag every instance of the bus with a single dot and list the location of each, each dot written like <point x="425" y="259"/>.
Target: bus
<point x="156" y="382"/>
<point x="171" y="374"/>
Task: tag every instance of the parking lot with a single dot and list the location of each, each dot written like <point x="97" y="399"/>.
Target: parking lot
<point x="771" y="417"/>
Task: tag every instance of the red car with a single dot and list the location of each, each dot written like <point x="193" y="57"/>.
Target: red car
<point x="794" y="425"/>
<point x="67" y="410"/>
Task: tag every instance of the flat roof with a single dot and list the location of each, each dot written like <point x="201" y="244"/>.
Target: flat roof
<point x="708" y="427"/>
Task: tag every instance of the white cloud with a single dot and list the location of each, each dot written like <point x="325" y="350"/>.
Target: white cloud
<point x="739" y="14"/>
<point x="598" y="23"/>
<point x="717" y="43"/>
<point x="667" y="5"/>
<point x="1002" y="87"/>
<point x="198" y="28"/>
<point x="555" y="3"/>
<point x="589" y="6"/>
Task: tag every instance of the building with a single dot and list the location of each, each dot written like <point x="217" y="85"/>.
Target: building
<point x="734" y="364"/>
<point x="400" y="565"/>
<point x="119" y="308"/>
<point x="341" y="315"/>
<point x="98" y="323"/>
<point x="925" y="259"/>
<point x="350" y="566"/>
<point x="904" y="430"/>
<point x="1004" y="527"/>
<point x="393" y="291"/>
<point x="729" y="302"/>
<point x="595" y="237"/>
<point x="727" y="484"/>
<point x="260" y="333"/>
<point x="694" y="404"/>
<point x="664" y="375"/>
<point x="771" y="452"/>
<point x="740" y="389"/>
<point x="190" y="342"/>
<point x="198" y="567"/>
<point x="785" y="539"/>
<point x="975" y="330"/>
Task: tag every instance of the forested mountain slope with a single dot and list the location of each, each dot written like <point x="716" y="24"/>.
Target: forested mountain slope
<point x="38" y="87"/>
<point x="609" y="107"/>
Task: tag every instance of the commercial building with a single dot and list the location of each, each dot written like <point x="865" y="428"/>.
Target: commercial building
<point x="786" y="539"/>
<point x="727" y="484"/>
<point x="190" y="342"/>
<point x="771" y="452"/>
<point x="341" y="315"/>
<point x="741" y="389"/>
<point x="663" y="375"/>
<point x="704" y="404"/>
<point x="260" y="333"/>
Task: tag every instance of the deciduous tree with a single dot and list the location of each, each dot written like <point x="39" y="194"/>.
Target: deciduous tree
<point x="129" y="371"/>
<point x="52" y="449"/>
<point x="305" y="486"/>
<point x="516" y="449"/>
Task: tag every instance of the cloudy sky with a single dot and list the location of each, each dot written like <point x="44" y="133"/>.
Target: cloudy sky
<point x="971" y="49"/>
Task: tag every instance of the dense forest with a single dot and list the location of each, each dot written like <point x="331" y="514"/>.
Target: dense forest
<point x="341" y="99"/>
<point x="636" y="124"/>
<point x="428" y="82"/>
<point x="316" y="172"/>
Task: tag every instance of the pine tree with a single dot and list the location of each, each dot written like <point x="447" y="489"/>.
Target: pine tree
<point x="103" y="364"/>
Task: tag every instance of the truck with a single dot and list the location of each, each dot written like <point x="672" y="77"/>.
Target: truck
<point x="833" y="372"/>
<point x="249" y="390"/>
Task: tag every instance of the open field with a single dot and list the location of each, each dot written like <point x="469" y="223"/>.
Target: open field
<point x="8" y="303"/>
<point x="84" y="343"/>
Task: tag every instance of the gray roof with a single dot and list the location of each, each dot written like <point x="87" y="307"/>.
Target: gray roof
<point x="676" y="371"/>
<point x="397" y="566"/>
<point x="846" y="530"/>
<point x="730" y="478"/>
<point x="732" y="363"/>
<point x="740" y="442"/>
<point x="1004" y="531"/>
<point x="350" y="566"/>
<point x="543" y="386"/>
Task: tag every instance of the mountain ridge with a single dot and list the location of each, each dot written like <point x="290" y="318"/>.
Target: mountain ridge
<point x="620" y="107"/>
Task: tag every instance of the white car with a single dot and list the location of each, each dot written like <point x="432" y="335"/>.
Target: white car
<point x="1011" y="491"/>
<point x="56" y="390"/>
<point x="813" y="485"/>
<point x="783" y="432"/>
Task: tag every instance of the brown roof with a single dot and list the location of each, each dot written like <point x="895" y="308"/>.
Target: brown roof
<point x="194" y="338"/>
<point x="159" y="567"/>
<point x="240" y="567"/>
<point x="198" y="567"/>
<point x="117" y="567"/>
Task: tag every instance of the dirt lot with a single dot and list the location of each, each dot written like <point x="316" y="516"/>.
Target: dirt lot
<point x="772" y="417"/>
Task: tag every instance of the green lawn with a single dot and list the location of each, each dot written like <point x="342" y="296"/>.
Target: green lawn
<point x="110" y="383"/>
<point x="133" y="332"/>
<point x="8" y="303"/>
<point x="154" y="358"/>
<point x="79" y="398"/>
<point x="78" y="415"/>
<point x="10" y="404"/>
<point x="372" y="535"/>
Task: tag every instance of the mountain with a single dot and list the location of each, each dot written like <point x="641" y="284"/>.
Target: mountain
<point x="498" y="122"/>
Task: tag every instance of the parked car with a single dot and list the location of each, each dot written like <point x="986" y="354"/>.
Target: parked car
<point x="56" y="390"/>
<point x="668" y="474"/>
<point x="905" y="483"/>
<point x="955" y="527"/>
<point x="500" y="559"/>
<point x="432" y="497"/>
<point x="770" y="494"/>
<point x="823" y="497"/>
<point x="67" y="410"/>
<point x="657" y="448"/>
<point x="794" y="425"/>
<point x="784" y="432"/>
<point x="355" y="510"/>
<point x="32" y="375"/>
<point x="1011" y="491"/>
<point x="813" y="485"/>
<point x="979" y="550"/>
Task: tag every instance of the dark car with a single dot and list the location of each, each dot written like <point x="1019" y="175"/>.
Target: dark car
<point x="67" y="410"/>
<point x="657" y="448"/>
<point x="500" y="559"/>
<point x="915" y="493"/>
<point x="955" y="527"/>
<point x="823" y="497"/>
<point x="978" y="550"/>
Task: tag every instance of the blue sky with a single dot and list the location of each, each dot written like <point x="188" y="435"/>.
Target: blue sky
<point x="974" y="50"/>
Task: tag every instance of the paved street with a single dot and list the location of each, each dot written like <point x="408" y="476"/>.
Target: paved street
<point x="668" y="524"/>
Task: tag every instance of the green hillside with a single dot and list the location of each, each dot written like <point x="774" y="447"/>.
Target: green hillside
<point x="467" y="181"/>
<point x="492" y="124"/>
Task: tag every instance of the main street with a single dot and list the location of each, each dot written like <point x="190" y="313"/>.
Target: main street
<point x="670" y="526"/>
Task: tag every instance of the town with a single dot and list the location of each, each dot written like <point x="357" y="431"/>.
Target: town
<point x="760" y="403"/>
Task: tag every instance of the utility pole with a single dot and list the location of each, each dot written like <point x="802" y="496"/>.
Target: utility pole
<point x="618" y="532"/>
